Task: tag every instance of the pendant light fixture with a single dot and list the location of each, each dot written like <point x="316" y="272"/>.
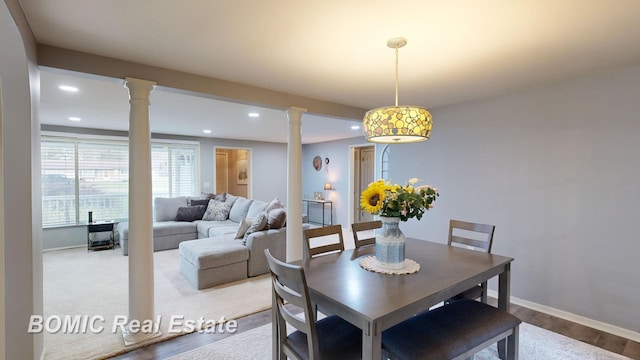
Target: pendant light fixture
<point x="397" y="124"/>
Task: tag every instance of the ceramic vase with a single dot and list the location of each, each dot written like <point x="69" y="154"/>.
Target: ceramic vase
<point x="390" y="243"/>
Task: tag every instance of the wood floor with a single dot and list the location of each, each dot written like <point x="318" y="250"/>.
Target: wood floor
<point x="588" y="335"/>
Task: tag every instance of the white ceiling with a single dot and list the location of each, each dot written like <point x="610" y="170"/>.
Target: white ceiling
<point x="104" y="104"/>
<point x="328" y="50"/>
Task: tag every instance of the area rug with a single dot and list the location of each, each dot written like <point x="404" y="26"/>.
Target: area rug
<point x="94" y="285"/>
<point x="535" y="344"/>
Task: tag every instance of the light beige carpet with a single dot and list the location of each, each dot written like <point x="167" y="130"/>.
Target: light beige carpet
<point x="535" y="344"/>
<point x="77" y="282"/>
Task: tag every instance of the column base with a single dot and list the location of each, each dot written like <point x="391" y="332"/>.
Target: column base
<point x="133" y="338"/>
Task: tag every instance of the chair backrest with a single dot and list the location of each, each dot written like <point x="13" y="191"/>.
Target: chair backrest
<point x="480" y="236"/>
<point x="327" y="232"/>
<point x="289" y="286"/>
<point x="365" y="226"/>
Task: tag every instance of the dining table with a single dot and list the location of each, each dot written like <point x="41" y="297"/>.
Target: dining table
<point x="375" y="301"/>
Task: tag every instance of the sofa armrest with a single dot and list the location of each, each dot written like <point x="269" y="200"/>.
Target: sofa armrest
<point x="275" y="240"/>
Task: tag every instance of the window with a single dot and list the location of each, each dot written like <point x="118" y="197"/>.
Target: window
<point x="384" y="168"/>
<point x="82" y="175"/>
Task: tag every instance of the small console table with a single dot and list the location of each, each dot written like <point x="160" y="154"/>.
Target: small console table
<point x="93" y="243"/>
<point x="323" y="203"/>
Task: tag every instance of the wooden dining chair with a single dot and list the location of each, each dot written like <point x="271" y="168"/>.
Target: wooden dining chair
<point x="365" y="226"/>
<point x="323" y="235"/>
<point x="329" y="338"/>
<point x="478" y="237"/>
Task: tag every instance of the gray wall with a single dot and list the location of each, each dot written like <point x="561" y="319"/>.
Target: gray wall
<point x="269" y="169"/>
<point x="556" y="170"/>
<point x="337" y="172"/>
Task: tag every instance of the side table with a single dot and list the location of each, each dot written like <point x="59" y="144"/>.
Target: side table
<point x="321" y="203"/>
<point x="93" y="240"/>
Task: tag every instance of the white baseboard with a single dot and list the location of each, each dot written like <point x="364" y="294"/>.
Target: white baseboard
<point x="65" y="248"/>
<point x="598" y="325"/>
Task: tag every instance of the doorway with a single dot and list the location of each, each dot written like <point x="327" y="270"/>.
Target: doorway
<point x="233" y="171"/>
<point x="363" y="174"/>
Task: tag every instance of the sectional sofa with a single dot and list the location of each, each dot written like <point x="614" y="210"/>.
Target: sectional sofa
<point x="220" y="242"/>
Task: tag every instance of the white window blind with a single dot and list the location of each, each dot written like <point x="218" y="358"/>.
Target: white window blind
<point x="103" y="175"/>
<point x="82" y="175"/>
<point x="59" y="205"/>
<point x="174" y="170"/>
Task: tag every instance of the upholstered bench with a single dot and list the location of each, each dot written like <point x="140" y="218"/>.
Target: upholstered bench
<point x="213" y="261"/>
<point x="454" y="331"/>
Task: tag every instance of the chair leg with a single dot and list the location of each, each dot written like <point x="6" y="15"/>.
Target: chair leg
<point x="512" y="344"/>
<point x="502" y="349"/>
<point x="483" y="297"/>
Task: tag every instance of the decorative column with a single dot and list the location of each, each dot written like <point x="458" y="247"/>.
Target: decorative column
<point x="141" y="295"/>
<point x="294" y="184"/>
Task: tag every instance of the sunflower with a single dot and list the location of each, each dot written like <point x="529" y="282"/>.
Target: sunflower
<point x="372" y="197"/>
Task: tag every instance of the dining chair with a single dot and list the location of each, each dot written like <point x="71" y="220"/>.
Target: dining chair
<point x="329" y="338"/>
<point x="478" y="237"/>
<point x="323" y="235"/>
<point x="362" y="227"/>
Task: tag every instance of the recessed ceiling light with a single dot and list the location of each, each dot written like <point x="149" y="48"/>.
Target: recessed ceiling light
<point x="254" y="114"/>
<point x="206" y="131"/>
<point x="68" y="88"/>
<point x="74" y="118"/>
<point x="355" y="127"/>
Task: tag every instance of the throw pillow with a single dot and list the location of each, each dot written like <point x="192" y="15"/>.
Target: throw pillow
<point x="207" y="196"/>
<point x="203" y="202"/>
<point x="190" y="213"/>
<point x="274" y="204"/>
<point x="216" y="211"/>
<point x="220" y="197"/>
<point x="276" y="218"/>
<point x="243" y="227"/>
<point x="258" y="224"/>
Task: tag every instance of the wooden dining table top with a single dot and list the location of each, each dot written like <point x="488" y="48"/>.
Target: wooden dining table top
<point x="444" y="272"/>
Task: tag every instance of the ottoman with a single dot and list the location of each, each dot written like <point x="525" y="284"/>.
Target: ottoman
<point x="213" y="261"/>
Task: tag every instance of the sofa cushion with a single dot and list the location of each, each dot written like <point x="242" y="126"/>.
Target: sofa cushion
<point x="167" y="228"/>
<point x="256" y="208"/>
<point x="204" y="226"/>
<point x="209" y="253"/>
<point x="190" y="213"/>
<point x="166" y="209"/>
<point x="230" y="199"/>
<point x="222" y="230"/>
<point x="239" y="209"/>
<point x="217" y="211"/>
<point x="276" y="218"/>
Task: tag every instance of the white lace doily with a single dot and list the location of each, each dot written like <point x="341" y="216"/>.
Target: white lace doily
<point x="370" y="263"/>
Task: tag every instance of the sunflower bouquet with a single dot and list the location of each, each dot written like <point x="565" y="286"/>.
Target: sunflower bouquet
<point x="382" y="198"/>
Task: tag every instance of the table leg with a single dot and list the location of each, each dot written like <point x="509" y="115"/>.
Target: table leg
<point x="371" y="341"/>
<point x="504" y="302"/>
